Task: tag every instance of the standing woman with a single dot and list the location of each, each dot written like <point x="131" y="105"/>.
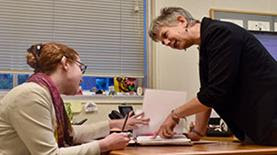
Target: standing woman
<point x="238" y="76"/>
<point x="33" y="119"/>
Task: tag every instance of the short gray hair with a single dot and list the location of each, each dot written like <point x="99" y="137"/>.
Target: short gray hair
<point x="168" y="17"/>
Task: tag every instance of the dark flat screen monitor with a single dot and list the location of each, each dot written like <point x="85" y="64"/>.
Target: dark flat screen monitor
<point x="269" y="40"/>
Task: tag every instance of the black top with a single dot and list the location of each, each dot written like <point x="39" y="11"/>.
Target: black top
<point x="238" y="79"/>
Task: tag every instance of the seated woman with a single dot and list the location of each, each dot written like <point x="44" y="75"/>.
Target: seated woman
<point x="33" y="118"/>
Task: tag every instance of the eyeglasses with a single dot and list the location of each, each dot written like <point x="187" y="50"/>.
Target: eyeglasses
<point x="82" y="66"/>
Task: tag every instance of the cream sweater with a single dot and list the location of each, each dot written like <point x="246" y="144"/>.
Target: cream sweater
<point x="27" y="123"/>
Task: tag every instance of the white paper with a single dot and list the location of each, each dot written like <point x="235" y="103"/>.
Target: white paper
<point x="258" y="25"/>
<point x="157" y="105"/>
<point x="175" y="140"/>
<point x="235" y="21"/>
<point x="275" y="27"/>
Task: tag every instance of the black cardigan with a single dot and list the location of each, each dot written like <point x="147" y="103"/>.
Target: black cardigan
<point x="238" y="79"/>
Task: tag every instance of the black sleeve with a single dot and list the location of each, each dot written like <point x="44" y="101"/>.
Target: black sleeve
<point x="223" y="48"/>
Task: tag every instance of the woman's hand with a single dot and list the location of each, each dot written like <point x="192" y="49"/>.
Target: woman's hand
<point x="133" y="122"/>
<point x="166" y="130"/>
<point x="114" y="141"/>
<point x="194" y="134"/>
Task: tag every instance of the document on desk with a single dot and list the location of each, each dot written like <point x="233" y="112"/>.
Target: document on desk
<point x="175" y="140"/>
<point x="157" y="105"/>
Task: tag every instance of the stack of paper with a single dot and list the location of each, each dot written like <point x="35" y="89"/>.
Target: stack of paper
<point x="175" y="140"/>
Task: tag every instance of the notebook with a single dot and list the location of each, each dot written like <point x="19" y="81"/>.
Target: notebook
<point x="157" y="105"/>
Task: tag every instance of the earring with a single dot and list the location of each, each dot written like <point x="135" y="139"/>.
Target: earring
<point x="186" y="30"/>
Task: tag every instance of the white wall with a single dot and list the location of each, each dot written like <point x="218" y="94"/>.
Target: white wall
<point x="178" y="70"/>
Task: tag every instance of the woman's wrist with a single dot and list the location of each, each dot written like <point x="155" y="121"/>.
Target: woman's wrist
<point x="174" y="116"/>
<point x="115" y="123"/>
<point x="103" y="145"/>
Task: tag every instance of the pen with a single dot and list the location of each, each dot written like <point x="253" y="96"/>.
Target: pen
<point x="125" y="121"/>
<point x="82" y="121"/>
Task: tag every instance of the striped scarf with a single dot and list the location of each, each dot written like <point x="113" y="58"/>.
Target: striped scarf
<point x="63" y="132"/>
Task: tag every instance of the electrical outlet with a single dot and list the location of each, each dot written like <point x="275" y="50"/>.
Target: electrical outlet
<point x="258" y="25"/>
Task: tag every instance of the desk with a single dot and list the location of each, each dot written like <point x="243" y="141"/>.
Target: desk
<point x="217" y="147"/>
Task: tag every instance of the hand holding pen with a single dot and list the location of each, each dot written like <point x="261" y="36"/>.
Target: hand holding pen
<point x="130" y="122"/>
<point x="134" y="121"/>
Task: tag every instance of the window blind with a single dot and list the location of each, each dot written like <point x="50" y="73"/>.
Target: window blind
<point x="108" y="34"/>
